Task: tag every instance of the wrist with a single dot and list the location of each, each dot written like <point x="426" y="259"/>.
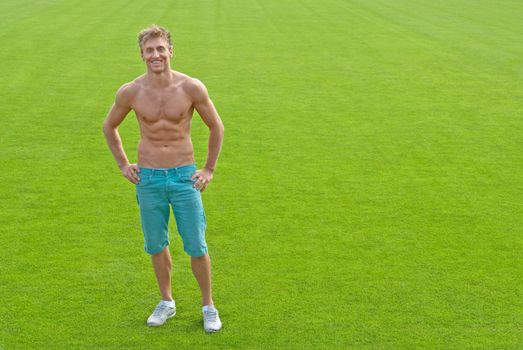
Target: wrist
<point x="209" y="169"/>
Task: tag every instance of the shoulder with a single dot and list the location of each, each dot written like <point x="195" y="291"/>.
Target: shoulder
<point x="126" y="93"/>
<point x="195" y="89"/>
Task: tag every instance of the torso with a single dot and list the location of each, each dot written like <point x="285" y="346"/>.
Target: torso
<point x="164" y="115"/>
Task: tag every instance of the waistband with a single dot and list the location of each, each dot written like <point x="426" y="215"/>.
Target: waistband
<point x="184" y="169"/>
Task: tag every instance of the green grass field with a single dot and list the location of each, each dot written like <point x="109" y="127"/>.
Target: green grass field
<point x="368" y="194"/>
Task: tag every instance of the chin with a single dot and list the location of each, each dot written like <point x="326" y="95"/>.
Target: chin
<point x="158" y="70"/>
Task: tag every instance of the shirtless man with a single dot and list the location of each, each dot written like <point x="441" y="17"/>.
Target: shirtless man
<point x="165" y="175"/>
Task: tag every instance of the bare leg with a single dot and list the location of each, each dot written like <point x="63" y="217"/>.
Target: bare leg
<point x="201" y="268"/>
<point x="162" y="264"/>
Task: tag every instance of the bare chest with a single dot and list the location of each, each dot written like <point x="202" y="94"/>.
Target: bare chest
<point x="152" y="106"/>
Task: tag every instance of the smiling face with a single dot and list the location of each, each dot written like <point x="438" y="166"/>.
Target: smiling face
<point x="156" y="53"/>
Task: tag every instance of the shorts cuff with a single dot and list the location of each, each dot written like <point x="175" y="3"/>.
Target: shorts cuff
<point x="156" y="250"/>
<point x="196" y="253"/>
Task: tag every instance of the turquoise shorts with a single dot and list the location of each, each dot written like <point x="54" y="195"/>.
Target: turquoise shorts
<point x="158" y="191"/>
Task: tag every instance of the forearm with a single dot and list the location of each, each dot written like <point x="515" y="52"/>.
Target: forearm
<point x="115" y="145"/>
<point x="215" y="146"/>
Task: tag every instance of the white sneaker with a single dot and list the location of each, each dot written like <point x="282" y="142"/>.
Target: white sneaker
<point x="211" y="319"/>
<point x="163" y="311"/>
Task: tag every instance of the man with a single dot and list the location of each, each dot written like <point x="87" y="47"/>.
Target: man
<point x="165" y="176"/>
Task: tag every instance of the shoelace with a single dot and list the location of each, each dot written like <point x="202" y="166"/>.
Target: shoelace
<point x="158" y="310"/>
<point x="211" y="315"/>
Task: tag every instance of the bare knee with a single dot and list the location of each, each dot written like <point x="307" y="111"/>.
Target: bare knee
<point x="200" y="258"/>
<point x="164" y="255"/>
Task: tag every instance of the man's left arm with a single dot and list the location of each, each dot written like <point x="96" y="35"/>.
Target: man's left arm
<point x="203" y="104"/>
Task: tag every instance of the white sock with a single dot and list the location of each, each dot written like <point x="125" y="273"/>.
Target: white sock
<point x="169" y="303"/>
<point x="207" y="307"/>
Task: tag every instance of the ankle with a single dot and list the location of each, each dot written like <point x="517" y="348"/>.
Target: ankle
<point x="170" y="303"/>
<point x="208" y="307"/>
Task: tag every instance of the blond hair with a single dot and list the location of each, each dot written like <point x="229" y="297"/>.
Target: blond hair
<point x="154" y="31"/>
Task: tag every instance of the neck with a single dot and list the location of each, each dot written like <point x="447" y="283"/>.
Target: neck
<point x="160" y="80"/>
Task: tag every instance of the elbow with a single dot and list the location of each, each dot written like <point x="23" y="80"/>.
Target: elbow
<point x="221" y="130"/>
<point x="218" y="129"/>
<point x="106" y="128"/>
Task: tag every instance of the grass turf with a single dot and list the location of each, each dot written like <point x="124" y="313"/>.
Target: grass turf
<point x="368" y="194"/>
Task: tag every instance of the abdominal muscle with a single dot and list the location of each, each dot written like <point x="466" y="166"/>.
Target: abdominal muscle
<point x="168" y="147"/>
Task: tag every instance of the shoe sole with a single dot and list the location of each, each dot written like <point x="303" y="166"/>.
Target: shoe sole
<point x="212" y="330"/>
<point x="158" y="325"/>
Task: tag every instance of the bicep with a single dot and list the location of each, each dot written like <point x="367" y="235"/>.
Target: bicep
<point x="120" y="108"/>
<point x="116" y="115"/>
<point x="204" y="106"/>
<point x="207" y="112"/>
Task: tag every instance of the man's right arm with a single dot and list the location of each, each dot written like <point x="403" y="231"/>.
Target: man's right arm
<point x="118" y="112"/>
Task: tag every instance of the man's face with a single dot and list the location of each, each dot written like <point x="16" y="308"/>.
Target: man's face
<point x="156" y="54"/>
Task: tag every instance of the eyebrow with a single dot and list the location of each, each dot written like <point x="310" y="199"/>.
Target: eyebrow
<point x="158" y="47"/>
